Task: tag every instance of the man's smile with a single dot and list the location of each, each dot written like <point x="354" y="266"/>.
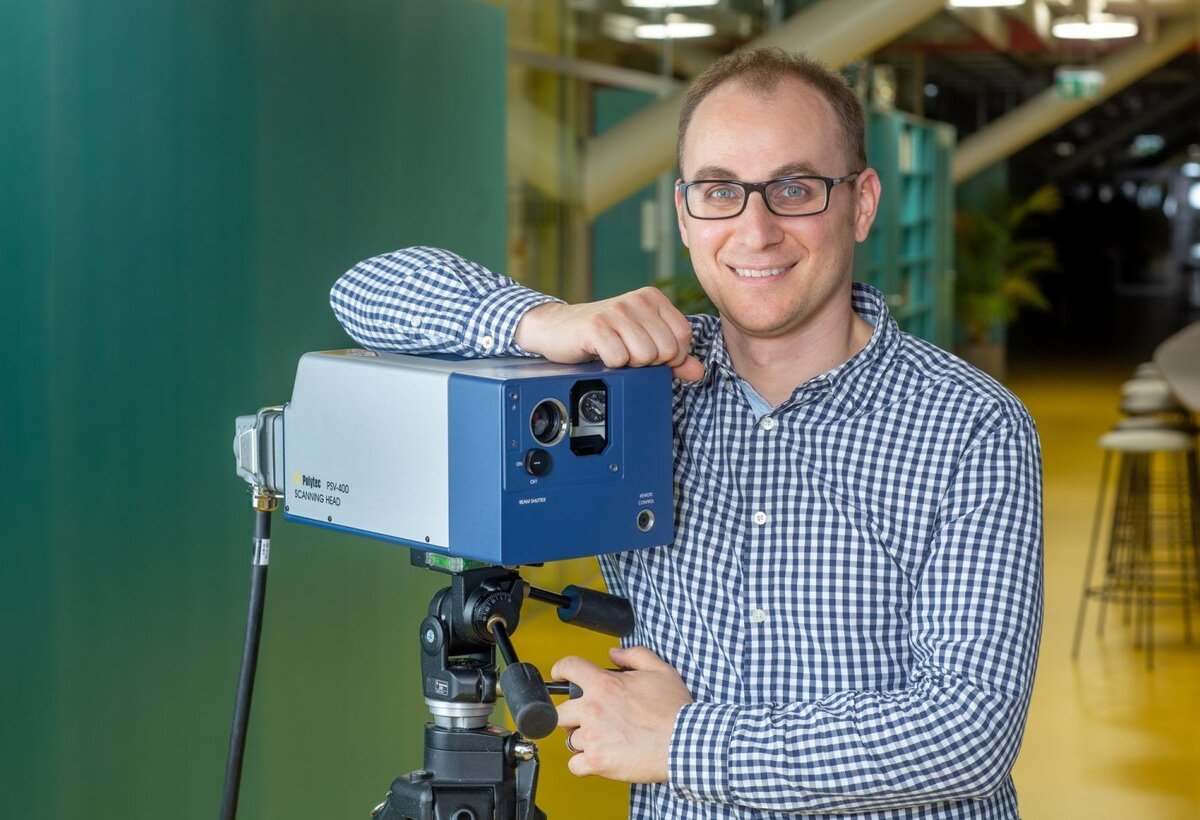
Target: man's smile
<point x="759" y="272"/>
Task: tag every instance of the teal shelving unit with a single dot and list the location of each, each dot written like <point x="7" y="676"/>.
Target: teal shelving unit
<point x="909" y="254"/>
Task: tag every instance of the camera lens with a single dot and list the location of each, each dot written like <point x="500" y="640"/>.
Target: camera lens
<point x="548" y="421"/>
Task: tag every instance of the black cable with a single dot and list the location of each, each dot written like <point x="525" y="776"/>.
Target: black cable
<point x="245" y="688"/>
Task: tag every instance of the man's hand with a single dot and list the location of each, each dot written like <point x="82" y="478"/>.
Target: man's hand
<point x="638" y="328"/>
<point x="621" y="726"/>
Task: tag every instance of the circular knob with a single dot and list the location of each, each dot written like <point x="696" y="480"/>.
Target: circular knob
<point x="537" y="462"/>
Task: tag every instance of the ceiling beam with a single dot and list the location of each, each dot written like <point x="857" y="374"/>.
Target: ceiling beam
<point x="1046" y="111"/>
<point x="1153" y="115"/>
<point x="987" y="23"/>
<point x="635" y="151"/>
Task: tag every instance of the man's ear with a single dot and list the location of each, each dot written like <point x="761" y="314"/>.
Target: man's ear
<point x="680" y="213"/>
<point x="866" y="202"/>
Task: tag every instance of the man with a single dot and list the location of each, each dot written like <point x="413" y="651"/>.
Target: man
<point x="847" y="621"/>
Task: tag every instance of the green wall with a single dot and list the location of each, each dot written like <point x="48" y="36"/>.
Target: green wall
<point x="180" y="183"/>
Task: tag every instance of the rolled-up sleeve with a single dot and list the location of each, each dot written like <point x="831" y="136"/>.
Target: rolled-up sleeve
<point x="427" y="300"/>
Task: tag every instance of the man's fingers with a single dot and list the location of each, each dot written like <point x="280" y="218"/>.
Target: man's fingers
<point x="609" y="346"/>
<point x="636" y="658"/>
<point x="690" y="370"/>
<point x="579" y="766"/>
<point x="576" y="670"/>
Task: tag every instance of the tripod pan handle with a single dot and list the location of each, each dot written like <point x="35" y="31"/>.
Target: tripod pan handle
<point x="597" y="611"/>
<point x="528" y="700"/>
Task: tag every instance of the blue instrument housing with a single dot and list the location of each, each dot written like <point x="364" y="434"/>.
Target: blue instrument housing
<point x="507" y="460"/>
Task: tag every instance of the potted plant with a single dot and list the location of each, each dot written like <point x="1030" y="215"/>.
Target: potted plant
<point x="997" y="272"/>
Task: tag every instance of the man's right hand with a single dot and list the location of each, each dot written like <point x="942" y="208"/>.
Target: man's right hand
<point x="638" y="328"/>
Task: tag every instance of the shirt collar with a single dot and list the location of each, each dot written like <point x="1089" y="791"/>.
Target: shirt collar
<point x="844" y="379"/>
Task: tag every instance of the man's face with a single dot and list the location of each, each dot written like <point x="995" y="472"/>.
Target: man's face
<point x="773" y="275"/>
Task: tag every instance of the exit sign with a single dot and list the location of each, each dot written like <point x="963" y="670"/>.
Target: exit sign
<point x="1078" y="83"/>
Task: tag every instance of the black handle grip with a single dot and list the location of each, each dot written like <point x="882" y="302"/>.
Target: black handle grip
<point x="597" y="611"/>
<point x="528" y="700"/>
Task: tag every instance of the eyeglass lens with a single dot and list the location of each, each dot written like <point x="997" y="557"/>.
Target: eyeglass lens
<point x="787" y="197"/>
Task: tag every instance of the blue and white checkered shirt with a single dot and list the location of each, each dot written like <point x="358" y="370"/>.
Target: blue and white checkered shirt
<point x="854" y="594"/>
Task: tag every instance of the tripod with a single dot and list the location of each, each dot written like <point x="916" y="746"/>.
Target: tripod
<point x="472" y="770"/>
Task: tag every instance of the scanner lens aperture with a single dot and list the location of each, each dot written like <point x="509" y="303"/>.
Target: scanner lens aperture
<point x="548" y="421"/>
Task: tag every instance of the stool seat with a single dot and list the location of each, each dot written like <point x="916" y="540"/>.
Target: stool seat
<point x="1146" y="386"/>
<point x="1147" y="440"/>
<point x="1154" y="423"/>
<point x="1145" y="404"/>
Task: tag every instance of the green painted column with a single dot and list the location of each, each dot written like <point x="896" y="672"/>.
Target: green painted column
<point x="179" y="186"/>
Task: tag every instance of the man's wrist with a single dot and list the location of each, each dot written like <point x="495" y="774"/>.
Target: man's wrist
<point x="529" y="328"/>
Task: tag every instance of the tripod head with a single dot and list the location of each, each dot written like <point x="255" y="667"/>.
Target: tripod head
<point x="472" y="619"/>
<point x="472" y="770"/>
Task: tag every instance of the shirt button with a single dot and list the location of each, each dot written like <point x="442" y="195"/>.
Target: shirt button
<point x="760" y="517"/>
<point x="415" y="321"/>
<point x="757" y="616"/>
<point x="768" y="424"/>
<point x="486" y="342"/>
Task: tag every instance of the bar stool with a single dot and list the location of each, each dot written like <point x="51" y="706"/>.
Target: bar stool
<point x="1152" y="396"/>
<point x="1153" y="554"/>
<point x="1147" y="369"/>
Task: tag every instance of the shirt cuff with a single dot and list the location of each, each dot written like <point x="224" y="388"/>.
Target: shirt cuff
<point x="698" y="765"/>
<point x="493" y="330"/>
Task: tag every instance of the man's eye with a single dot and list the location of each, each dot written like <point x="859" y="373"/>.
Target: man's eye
<point x="795" y="190"/>
<point x="722" y="193"/>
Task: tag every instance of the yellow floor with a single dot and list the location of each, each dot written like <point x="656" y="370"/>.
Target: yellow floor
<point x="1105" y="739"/>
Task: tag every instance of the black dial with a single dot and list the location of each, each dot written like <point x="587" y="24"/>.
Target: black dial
<point x="593" y="407"/>
<point x="537" y="462"/>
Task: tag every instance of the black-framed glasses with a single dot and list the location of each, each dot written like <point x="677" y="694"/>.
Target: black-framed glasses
<point x="786" y="196"/>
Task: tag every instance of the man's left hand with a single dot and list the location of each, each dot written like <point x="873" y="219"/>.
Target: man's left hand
<point x="621" y="726"/>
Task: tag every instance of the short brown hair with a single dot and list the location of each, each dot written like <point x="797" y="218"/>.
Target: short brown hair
<point x="762" y="68"/>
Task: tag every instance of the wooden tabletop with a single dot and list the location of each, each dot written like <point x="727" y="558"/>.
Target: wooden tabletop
<point x="1179" y="360"/>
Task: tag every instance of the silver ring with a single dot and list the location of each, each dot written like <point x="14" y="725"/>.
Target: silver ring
<point x="571" y="746"/>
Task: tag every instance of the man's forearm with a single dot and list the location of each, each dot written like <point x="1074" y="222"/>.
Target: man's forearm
<point x="426" y="300"/>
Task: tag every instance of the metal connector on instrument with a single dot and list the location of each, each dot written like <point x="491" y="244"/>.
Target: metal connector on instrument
<point x="258" y="451"/>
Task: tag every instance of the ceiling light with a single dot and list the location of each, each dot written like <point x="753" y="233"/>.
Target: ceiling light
<point x="668" y="4"/>
<point x="983" y="4"/>
<point x="1190" y="169"/>
<point x="1095" y="27"/>
<point x="674" y="30"/>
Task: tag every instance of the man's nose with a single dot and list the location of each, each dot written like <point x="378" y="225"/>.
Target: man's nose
<point x="759" y="224"/>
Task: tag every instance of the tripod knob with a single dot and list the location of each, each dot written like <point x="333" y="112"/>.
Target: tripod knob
<point x="528" y="701"/>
